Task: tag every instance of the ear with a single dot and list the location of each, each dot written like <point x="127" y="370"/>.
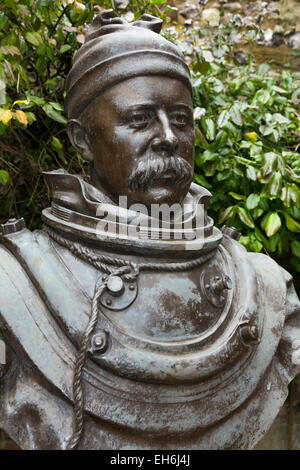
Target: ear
<point x="79" y="139"/>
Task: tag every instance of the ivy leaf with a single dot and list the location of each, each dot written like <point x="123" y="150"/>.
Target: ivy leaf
<point x="270" y="163"/>
<point x="252" y="201"/>
<point x="263" y="96"/>
<point x="223" y="118"/>
<point x="245" y="217"/>
<point x="291" y="223"/>
<point x="34" y="38"/>
<point x="200" y="179"/>
<point x="251" y="173"/>
<point x="228" y="212"/>
<point x="280" y="119"/>
<point x="239" y="197"/>
<point x="235" y="115"/>
<point x="295" y="246"/>
<point x="275" y="184"/>
<point x="3" y="20"/>
<point x="273" y="224"/>
<point x="64" y="48"/>
<point x="211" y="130"/>
<point x="221" y="138"/>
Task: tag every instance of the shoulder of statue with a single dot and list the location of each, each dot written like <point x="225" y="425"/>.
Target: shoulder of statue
<point x="27" y="320"/>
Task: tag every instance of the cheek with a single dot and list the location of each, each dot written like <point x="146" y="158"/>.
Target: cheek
<point x="131" y="144"/>
<point x="186" y="145"/>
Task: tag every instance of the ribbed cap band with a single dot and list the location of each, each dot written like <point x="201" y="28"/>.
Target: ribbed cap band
<point x="115" y="51"/>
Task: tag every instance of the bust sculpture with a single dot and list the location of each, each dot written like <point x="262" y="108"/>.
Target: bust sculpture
<point x="123" y="335"/>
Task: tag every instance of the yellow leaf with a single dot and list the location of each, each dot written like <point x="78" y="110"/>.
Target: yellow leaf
<point x="6" y="116"/>
<point x="21" y="116"/>
<point x="252" y="136"/>
<point x="22" y="102"/>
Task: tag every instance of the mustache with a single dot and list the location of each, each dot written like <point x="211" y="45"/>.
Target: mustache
<point x="152" y="168"/>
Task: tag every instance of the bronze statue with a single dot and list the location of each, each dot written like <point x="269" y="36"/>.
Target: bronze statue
<point x="121" y="331"/>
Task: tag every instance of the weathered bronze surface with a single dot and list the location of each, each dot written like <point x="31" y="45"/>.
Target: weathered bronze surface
<point x="120" y="340"/>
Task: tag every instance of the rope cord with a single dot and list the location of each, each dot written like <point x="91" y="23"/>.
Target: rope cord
<point x="112" y="266"/>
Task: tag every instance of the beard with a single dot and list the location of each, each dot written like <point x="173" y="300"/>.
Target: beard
<point x="153" y="168"/>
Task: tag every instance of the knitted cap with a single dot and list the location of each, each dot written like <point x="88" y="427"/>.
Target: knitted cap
<point x="115" y="50"/>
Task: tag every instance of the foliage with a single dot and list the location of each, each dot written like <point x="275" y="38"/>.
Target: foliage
<point x="248" y="135"/>
<point x="247" y="121"/>
<point x="37" y="41"/>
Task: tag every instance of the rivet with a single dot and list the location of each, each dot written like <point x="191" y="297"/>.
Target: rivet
<point x="249" y="333"/>
<point x="131" y="287"/>
<point x="108" y="301"/>
<point x="98" y="341"/>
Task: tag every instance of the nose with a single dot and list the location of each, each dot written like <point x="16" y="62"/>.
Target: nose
<point x="165" y="140"/>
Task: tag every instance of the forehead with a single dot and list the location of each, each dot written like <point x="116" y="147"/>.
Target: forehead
<point x="151" y="90"/>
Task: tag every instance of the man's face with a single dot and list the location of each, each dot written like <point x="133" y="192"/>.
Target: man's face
<point x="141" y="137"/>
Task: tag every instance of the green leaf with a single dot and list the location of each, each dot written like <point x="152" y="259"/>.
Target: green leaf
<point x="270" y="163"/>
<point x="273" y="242"/>
<point x="252" y="201"/>
<point x="291" y="223"/>
<point x="64" y="48"/>
<point x="53" y="114"/>
<point x="211" y="130"/>
<point x="228" y="212"/>
<point x="223" y="118"/>
<point x="263" y="96"/>
<point x="4" y="177"/>
<point x="3" y="20"/>
<point x="295" y="262"/>
<point x="235" y="115"/>
<point x="56" y="106"/>
<point x="200" y="179"/>
<point x="34" y="38"/>
<point x="256" y="213"/>
<point x="208" y="155"/>
<point x="275" y="184"/>
<point x="273" y="224"/>
<point x="221" y="138"/>
<point x="239" y="197"/>
<point x="245" y="217"/>
<point x="280" y="119"/>
<point x="263" y="69"/>
<point x="251" y="173"/>
<point x="295" y="246"/>
<point x="36" y="100"/>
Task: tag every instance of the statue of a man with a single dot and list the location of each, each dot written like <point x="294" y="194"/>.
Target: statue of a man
<point x="129" y="321"/>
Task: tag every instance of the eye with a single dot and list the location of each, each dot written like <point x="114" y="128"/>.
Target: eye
<point x="140" y="119"/>
<point x="179" y="119"/>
